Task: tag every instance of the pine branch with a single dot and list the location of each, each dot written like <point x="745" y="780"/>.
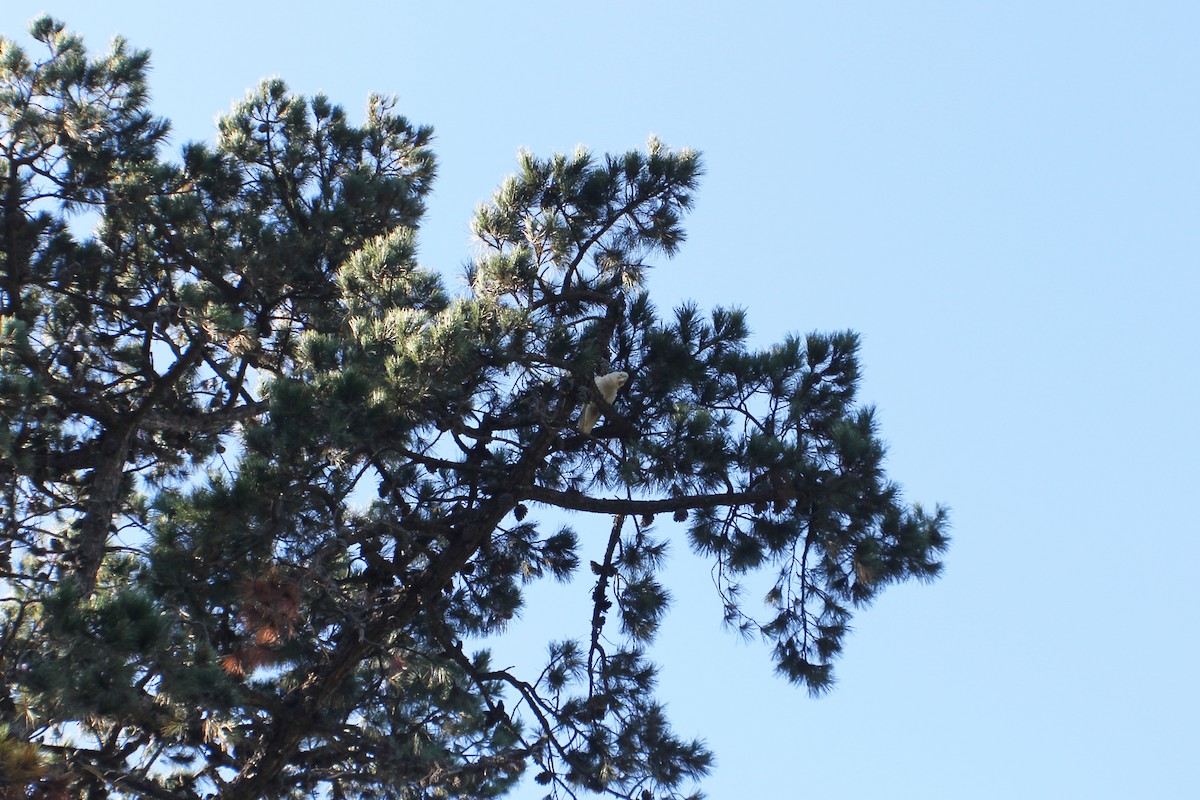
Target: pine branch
<point x="577" y="501"/>
<point x="600" y="601"/>
<point x="113" y="449"/>
<point x="205" y="422"/>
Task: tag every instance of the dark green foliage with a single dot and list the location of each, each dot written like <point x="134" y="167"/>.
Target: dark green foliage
<point x="267" y="484"/>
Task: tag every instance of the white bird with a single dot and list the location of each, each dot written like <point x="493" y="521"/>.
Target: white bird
<point x="608" y="386"/>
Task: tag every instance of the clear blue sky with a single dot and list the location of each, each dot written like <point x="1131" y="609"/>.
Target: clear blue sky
<point x="1003" y="198"/>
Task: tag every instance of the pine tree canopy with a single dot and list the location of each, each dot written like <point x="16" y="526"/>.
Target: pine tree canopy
<point x="270" y="486"/>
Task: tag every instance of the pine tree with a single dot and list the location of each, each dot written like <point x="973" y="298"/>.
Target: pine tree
<point x="268" y="486"/>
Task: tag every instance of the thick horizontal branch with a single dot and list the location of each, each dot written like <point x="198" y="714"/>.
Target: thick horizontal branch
<point x="573" y="296"/>
<point x="577" y="501"/>
<point x="205" y="422"/>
